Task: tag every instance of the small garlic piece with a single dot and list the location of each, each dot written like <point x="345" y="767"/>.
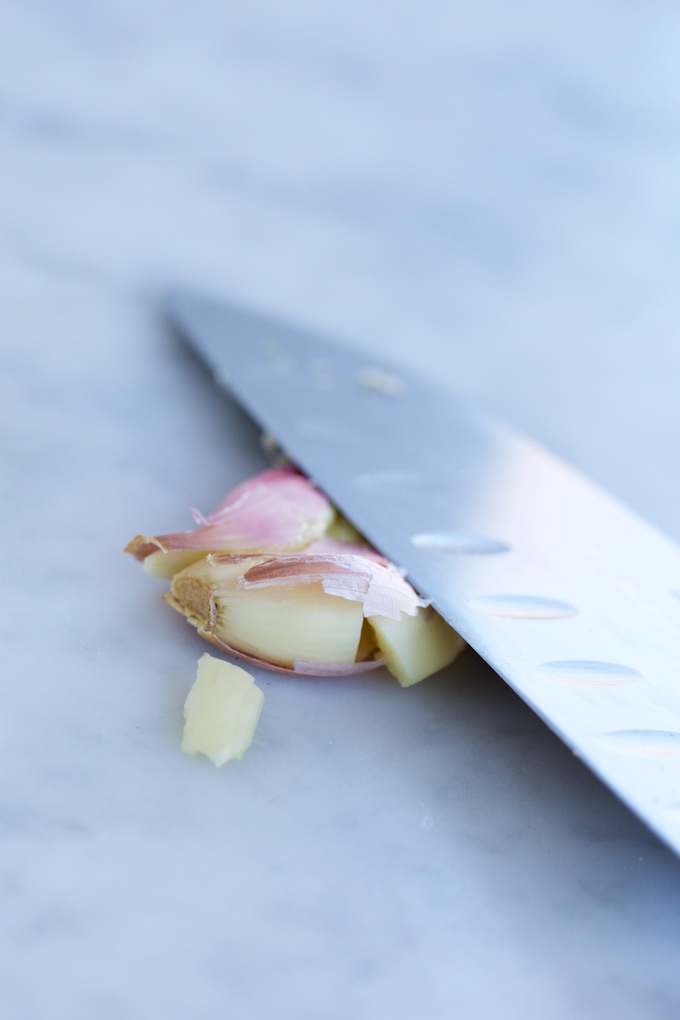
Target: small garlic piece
<point x="221" y="711"/>
<point x="415" y="647"/>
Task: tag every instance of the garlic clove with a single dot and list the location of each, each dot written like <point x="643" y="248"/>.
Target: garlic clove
<point x="277" y="510"/>
<point x="278" y="625"/>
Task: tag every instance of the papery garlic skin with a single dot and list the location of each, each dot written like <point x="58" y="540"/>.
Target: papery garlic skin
<point x="278" y="510"/>
<point x="276" y="625"/>
<point x="362" y="576"/>
<point x="221" y="711"/>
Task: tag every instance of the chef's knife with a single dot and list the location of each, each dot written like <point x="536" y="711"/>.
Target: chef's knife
<point x="568" y="595"/>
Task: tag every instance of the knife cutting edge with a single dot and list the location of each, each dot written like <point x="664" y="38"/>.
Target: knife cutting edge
<point x="572" y="598"/>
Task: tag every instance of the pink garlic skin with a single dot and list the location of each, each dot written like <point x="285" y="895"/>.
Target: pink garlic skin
<point x="350" y="575"/>
<point x="278" y="510"/>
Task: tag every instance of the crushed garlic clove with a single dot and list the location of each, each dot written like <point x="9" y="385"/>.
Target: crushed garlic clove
<point x="278" y="577"/>
<point x="273" y="625"/>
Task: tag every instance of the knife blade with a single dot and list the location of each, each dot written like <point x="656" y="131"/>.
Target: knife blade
<point x="571" y="597"/>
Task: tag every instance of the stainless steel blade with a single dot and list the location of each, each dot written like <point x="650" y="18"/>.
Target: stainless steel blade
<point x="572" y="598"/>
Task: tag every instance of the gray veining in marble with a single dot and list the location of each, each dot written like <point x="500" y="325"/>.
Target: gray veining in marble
<point x="488" y="191"/>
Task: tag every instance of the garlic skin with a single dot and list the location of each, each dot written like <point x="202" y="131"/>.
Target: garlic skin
<point x="276" y="511"/>
<point x="362" y="576"/>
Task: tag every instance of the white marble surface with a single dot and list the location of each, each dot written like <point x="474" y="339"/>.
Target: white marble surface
<point x="488" y="190"/>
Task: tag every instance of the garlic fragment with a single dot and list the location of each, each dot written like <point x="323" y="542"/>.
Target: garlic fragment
<point x="221" y="711"/>
<point x="278" y="510"/>
<point x="415" y="647"/>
